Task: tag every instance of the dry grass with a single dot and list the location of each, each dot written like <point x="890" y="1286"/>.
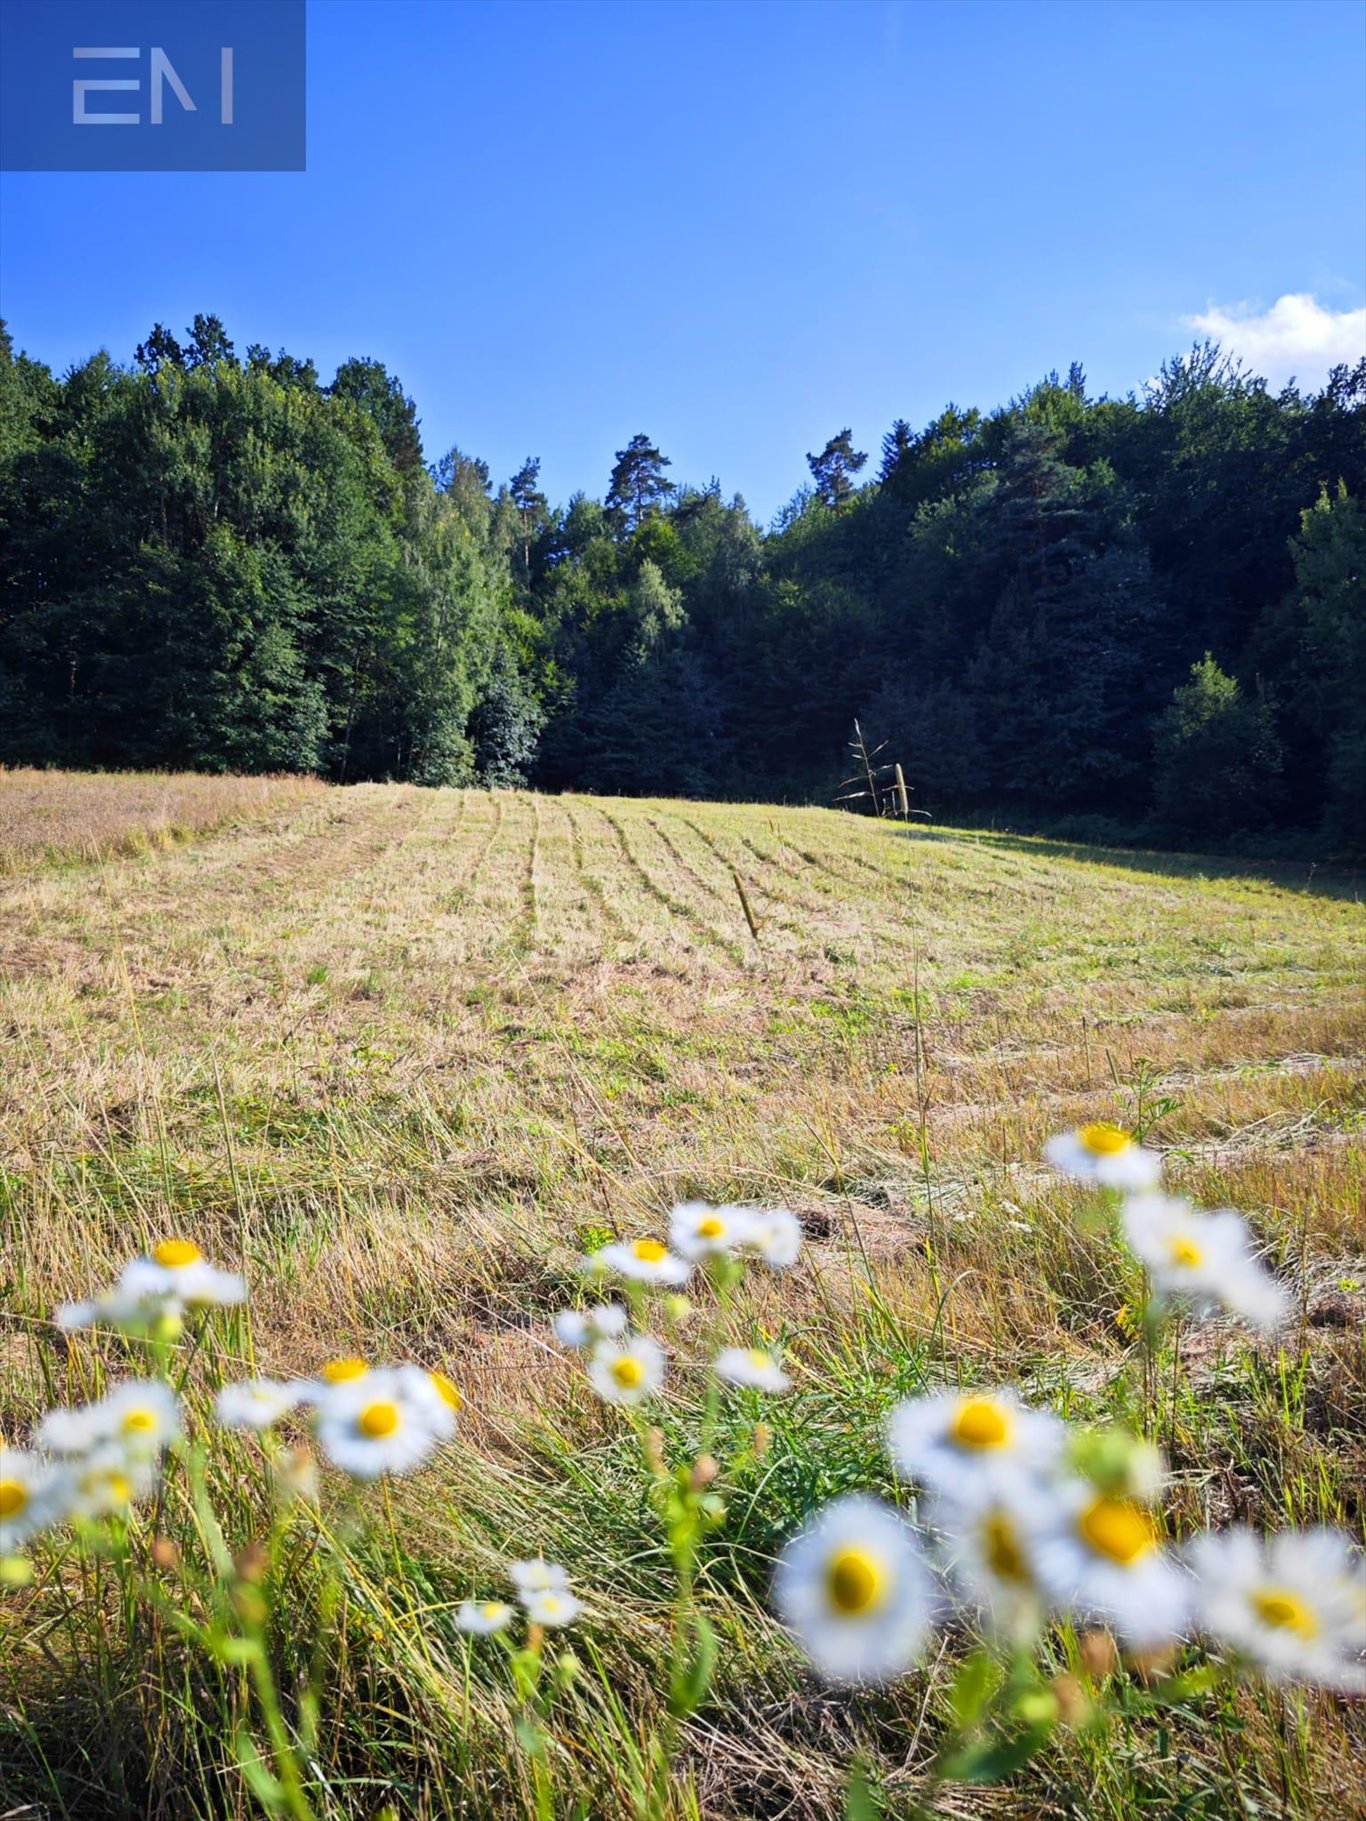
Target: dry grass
<point x="47" y="815"/>
<point x="399" y="1052"/>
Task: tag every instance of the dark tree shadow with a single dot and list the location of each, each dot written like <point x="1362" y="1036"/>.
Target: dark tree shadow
<point x="1346" y="883"/>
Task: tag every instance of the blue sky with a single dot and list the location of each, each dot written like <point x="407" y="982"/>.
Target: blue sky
<point x="738" y="227"/>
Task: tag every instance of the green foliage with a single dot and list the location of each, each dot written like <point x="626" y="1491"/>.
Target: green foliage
<point x="217" y="562"/>
<point x="833" y="470"/>
<point x="1329" y="609"/>
<point x="506" y="725"/>
<point x="1216" y="755"/>
<point x="637" y="485"/>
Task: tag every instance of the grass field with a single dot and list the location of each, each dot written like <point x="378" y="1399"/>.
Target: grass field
<point x="401" y="1055"/>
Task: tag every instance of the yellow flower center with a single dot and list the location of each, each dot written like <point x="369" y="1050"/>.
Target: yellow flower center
<point x="108" y="1484"/>
<point x="980" y="1423"/>
<point x="174" y="1253"/>
<point x="1284" y="1611"/>
<point x="493" y="1609"/>
<point x="140" y="1422"/>
<point x="649" y="1251"/>
<point x="379" y="1420"/>
<point x="711" y="1228"/>
<point x="627" y="1371"/>
<point x="856" y="1583"/>
<point x="1005" y="1558"/>
<point x="1185" y="1252"/>
<point x="1104" y="1140"/>
<point x="338" y="1371"/>
<point x="13" y="1498"/>
<point x="758" y="1358"/>
<point x="549" y="1604"/>
<point x="1117" y="1528"/>
<point x="447" y="1391"/>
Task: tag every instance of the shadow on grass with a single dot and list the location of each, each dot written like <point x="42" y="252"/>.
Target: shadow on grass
<point x="1341" y="882"/>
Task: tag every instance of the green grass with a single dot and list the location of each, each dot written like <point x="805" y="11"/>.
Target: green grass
<point x="402" y="1055"/>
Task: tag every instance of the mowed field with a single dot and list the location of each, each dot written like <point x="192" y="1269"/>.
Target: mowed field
<point x="401" y="1055"/>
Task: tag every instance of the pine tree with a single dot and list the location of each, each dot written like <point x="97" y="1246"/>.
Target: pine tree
<point x="532" y="507"/>
<point x="833" y="470"/>
<point x="637" y="486"/>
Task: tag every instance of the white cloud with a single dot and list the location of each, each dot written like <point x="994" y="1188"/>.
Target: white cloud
<point x="1297" y="338"/>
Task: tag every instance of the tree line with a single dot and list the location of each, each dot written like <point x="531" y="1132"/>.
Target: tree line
<point x="1139" y="617"/>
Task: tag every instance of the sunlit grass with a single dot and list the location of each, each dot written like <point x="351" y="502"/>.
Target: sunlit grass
<point x="403" y="1055"/>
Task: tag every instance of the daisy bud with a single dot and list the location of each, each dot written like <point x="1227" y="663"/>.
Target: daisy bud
<point x="249" y="1603"/>
<point x="654" y="1452"/>
<point x="295" y="1476"/>
<point x="1153" y="1665"/>
<point x="1073" y="1707"/>
<point x="251" y="1563"/>
<point x="165" y="1553"/>
<point x="677" y="1309"/>
<point x="704" y="1470"/>
<point x="1039" y="1707"/>
<point x="1098" y="1654"/>
<point x="761" y="1441"/>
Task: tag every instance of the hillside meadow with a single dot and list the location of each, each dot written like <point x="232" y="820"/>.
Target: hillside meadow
<point x="401" y="1056"/>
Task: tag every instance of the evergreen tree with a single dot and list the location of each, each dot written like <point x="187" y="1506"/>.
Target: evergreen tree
<point x="637" y="486"/>
<point x="1217" y="760"/>
<point x="506" y="725"/>
<point x="208" y="343"/>
<point x="1329" y="608"/>
<point x="532" y="508"/>
<point x="161" y="349"/>
<point x="833" y="470"/>
<point x="221" y="564"/>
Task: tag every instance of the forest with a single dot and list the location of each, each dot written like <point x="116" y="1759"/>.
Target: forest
<point x="1137" y="618"/>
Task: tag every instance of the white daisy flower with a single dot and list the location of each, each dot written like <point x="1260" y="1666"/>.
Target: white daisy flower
<point x="141" y="1415"/>
<point x="154" y="1291"/>
<point x="33" y="1496"/>
<point x="132" y="1306"/>
<point x="988" y="1551"/>
<point x="552" y="1606"/>
<point x="967" y="1444"/>
<point x="1105" y="1154"/>
<point x="775" y="1235"/>
<point x="697" y="1230"/>
<point x="71" y="1316"/>
<point x="256" y="1403"/>
<point x="1294" y="1604"/>
<point x="106" y="1481"/>
<point x="644" y="1261"/>
<point x="626" y="1372"/>
<point x="1116" y="1460"/>
<point x="854" y="1589"/>
<point x="581" y="1327"/>
<point x="536" y="1575"/>
<point x="1098" y="1556"/>
<point x="751" y="1366"/>
<point x="384" y="1420"/>
<point x="1201" y="1258"/>
<point x="450" y="1395"/>
<point x="483" y="1617"/>
<point x="179" y="1267"/>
